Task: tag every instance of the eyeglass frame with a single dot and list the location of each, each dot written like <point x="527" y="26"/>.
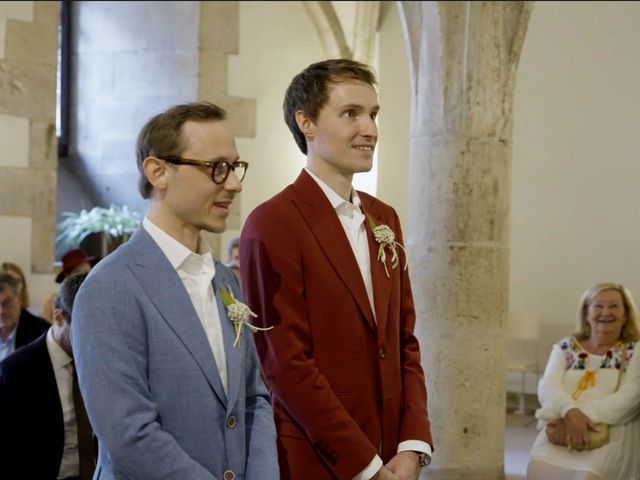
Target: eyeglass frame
<point x="176" y="160"/>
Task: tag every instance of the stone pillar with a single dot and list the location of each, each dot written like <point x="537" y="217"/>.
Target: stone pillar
<point x="219" y="38"/>
<point x="28" y="152"/>
<point x="463" y="58"/>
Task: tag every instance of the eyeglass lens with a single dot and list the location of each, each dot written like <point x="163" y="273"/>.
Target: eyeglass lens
<point x="221" y="171"/>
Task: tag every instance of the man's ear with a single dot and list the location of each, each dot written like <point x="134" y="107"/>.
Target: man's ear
<point x="156" y="172"/>
<point x="305" y="124"/>
<point x="58" y="317"/>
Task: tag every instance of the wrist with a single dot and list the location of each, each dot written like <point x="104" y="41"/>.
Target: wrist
<point x="423" y="458"/>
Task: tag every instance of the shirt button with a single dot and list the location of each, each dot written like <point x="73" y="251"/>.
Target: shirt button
<point x="231" y="422"/>
<point x="229" y="475"/>
<point x="382" y="353"/>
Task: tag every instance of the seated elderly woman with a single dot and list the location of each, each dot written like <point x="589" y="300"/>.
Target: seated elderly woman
<point x="591" y="387"/>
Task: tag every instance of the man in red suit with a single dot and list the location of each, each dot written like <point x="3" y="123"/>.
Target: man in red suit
<point x="324" y="266"/>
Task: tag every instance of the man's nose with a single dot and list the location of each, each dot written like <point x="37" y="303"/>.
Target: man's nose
<point x="369" y="128"/>
<point x="232" y="184"/>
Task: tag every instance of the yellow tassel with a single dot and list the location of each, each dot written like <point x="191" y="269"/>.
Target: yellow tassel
<point x="588" y="380"/>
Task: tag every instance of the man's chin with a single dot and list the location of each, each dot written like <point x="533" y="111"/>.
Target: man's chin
<point x="214" y="228"/>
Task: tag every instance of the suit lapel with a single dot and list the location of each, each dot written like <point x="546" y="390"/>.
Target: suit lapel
<point x="326" y="227"/>
<point x="165" y="289"/>
<point x="381" y="282"/>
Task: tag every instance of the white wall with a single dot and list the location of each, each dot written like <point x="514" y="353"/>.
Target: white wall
<point x="395" y="105"/>
<point x="575" y="167"/>
<point x="277" y="40"/>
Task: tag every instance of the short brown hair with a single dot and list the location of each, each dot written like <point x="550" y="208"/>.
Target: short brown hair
<point x="162" y="136"/>
<point x="67" y="294"/>
<point x="308" y="90"/>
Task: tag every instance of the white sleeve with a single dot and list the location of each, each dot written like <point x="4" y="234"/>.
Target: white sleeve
<point x="553" y="398"/>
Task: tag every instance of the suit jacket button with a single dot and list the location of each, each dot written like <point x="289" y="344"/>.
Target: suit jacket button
<point x="229" y="475"/>
<point x="231" y="422"/>
<point x="381" y="353"/>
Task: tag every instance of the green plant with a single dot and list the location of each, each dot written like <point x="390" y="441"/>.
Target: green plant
<point x="117" y="222"/>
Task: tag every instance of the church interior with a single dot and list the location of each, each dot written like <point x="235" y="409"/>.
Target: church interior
<point x="507" y="146"/>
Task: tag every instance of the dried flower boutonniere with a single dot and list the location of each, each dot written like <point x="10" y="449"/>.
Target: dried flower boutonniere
<point x="386" y="239"/>
<point x="239" y="314"/>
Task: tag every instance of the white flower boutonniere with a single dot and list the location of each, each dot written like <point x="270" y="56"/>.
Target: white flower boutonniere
<point x="387" y="239"/>
<point x="239" y="314"/>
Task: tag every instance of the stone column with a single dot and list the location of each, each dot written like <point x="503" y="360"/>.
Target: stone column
<point x="463" y="58"/>
<point x="28" y="147"/>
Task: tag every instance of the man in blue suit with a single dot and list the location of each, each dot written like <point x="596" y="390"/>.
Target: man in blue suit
<point x="162" y="341"/>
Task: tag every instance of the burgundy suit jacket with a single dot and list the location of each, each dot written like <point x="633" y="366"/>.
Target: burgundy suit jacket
<point x="346" y="385"/>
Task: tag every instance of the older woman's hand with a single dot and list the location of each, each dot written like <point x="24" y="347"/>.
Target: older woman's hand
<point x="557" y="435"/>
<point x="576" y="428"/>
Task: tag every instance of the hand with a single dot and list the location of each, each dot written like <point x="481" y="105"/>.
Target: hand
<point x="577" y="426"/>
<point x="558" y="433"/>
<point x="384" y="474"/>
<point x="405" y="465"/>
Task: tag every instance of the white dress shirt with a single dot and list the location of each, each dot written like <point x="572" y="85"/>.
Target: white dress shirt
<point x="353" y="221"/>
<point x="62" y="365"/>
<point x="196" y="270"/>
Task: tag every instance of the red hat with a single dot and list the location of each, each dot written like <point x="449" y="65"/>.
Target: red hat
<point x="71" y="260"/>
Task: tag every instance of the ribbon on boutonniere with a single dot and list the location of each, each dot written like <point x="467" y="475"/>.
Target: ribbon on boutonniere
<point x="239" y="314"/>
<point x="386" y="239"/>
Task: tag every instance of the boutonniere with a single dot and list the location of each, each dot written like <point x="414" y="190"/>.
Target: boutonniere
<point x="239" y="314"/>
<point x="386" y="239"/>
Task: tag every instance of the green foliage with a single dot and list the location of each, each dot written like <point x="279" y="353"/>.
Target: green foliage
<point x="115" y="221"/>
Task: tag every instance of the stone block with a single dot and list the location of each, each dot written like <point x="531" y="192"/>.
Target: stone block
<point x="46" y="11"/>
<point x="14" y="138"/>
<point x="35" y="43"/>
<point x="213" y="70"/>
<point x="31" y="193"/>
<point x="18" y="10"/>
<point x="219" y="26"/>
<point x="43" y="146"/>
<point x="28" y="90"/>
<point x="241" y="112"/>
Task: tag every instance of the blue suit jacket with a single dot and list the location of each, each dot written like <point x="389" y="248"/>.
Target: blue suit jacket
<point x="150" y="381"/>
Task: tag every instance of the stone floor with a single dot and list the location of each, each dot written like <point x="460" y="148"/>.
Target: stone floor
<point x="519" y="437"/>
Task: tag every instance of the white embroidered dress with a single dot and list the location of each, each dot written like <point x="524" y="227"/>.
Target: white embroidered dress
<point x="600" y="401"/>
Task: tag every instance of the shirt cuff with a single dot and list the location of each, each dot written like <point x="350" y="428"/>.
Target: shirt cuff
<point x="370" y="470"/>
<point x="415" y="446"/>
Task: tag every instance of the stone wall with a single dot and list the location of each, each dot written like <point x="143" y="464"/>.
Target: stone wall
<point x="28" y="157"/>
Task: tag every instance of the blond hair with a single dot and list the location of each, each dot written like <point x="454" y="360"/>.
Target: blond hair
<point x="630" y="331"/>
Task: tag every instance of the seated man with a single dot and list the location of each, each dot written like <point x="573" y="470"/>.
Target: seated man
<point x="40" y="434"/>
<point x="17" y="325"/>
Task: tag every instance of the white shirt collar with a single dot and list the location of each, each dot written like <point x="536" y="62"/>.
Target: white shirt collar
<point x="179" y="256"/>
<point x="59" y="358"/>
<point x="335" y="199"/>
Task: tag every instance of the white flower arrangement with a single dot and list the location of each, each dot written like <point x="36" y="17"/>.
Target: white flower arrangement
<point x="239" y="314"/>
<point x="386" y="239"/>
